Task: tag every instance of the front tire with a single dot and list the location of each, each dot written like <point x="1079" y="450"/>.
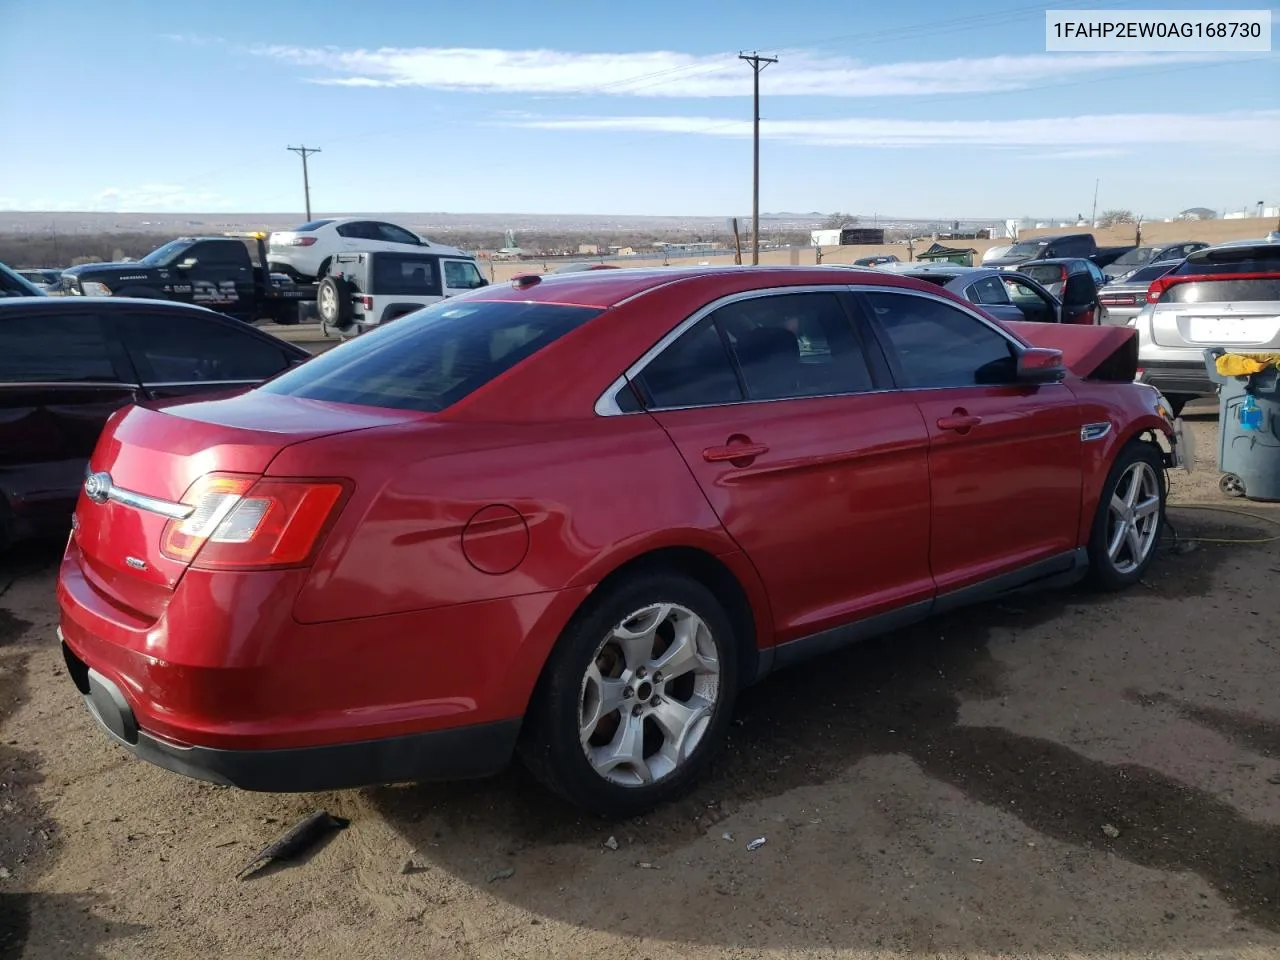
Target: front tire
<point x="636" y="698"/>
<point x="1130" y="518"/>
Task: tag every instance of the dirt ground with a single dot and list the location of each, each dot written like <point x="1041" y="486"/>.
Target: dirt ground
<point x="1055" y="775"/>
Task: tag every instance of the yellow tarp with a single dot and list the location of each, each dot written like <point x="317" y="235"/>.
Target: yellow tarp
<point x="1243" y="364"/>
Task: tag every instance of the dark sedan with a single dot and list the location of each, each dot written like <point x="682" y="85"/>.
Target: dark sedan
<point x="1004" y="295"/>
<point x="69" y="363"/>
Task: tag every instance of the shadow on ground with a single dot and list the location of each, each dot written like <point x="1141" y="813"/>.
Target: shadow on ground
<point x="806" y="727"/>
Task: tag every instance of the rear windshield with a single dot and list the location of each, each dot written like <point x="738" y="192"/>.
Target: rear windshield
<point x="1043" y="273"/>
<point x="1223" y="291"/>
<point x="1260" y="259"/>
<point x="431" y="359"/>
<point x="1134" y="258"/>
<point x="1154" y="272"/>
<point x="311" y="225"/>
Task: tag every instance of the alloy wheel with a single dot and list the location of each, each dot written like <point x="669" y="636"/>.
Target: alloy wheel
<point x="1133" y="517"/>
<point x="648" y="695"/>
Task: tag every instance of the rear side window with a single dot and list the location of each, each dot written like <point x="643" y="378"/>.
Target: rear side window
<point x="937" y="345"/>
<point x="434" y="357"/>
<point x="232" y="254"/>
<point x="180" y="347"/>
<point x="694" y="371"/>
<point x="406" y="276"/>
<point x="49" y="348"/>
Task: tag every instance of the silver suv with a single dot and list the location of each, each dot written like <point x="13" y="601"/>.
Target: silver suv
<point x="1224" y="296"/>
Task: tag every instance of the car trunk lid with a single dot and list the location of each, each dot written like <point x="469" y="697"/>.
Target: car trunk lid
<point x="1240" y="310"/>
<point x="149" y="457"/>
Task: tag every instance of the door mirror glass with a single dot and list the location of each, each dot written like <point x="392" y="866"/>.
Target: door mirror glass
<point x="1040" y="365"/>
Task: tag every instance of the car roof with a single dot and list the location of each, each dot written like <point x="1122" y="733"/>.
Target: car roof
<point x="607" y="288"/>
<point x="1057" y="261"/>
<point x="101" y="303"/>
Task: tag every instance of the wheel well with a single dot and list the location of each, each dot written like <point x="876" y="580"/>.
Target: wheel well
<point x="712" y="574"/>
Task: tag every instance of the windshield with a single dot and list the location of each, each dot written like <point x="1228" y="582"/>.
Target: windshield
<point x="1027" y="249"/>
<point x="161" y="256"/>
<point x="1264" y="258"/>
<point x="1134" y="258"/>
<point x="431" y="359"/>
<point x="12" y="285"/>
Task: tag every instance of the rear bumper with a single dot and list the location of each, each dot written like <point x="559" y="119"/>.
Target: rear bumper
<point x="1177" y="377"/>
<point x="457" y="753"/>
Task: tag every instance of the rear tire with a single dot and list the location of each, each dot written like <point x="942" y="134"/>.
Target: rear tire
<point x="607" y="730"/>
<point x="1130" y="517"/>
<point x="333" y="303"/>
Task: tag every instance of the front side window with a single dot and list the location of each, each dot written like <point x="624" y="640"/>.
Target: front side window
<point x="938" y="345"/>
<point x="393" y="234"/>
<point x="461" y="275"/>
<point x="182" y="347"/>
<point x="431" y="359"/>
<point x="48" y="348"/>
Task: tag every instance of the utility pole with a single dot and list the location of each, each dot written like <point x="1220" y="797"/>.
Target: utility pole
<point x="305" y="152"/>
<point x="1093" y="217"/>
<point x="758" y="63"/>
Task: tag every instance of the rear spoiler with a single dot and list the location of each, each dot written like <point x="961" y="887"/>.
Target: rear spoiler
<point x="1161" y="284"/>
<point x="1096" y="352"/>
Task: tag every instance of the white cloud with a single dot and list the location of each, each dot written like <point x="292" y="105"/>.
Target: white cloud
<point x="672" y="74"/>
<point x="1235" y="131"/>
<point x="153" y="197"/>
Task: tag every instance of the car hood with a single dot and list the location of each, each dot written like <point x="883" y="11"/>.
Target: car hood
<point x="1101" y="352"/>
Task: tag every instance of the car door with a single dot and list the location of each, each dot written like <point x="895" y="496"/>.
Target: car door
<point x="1004" y="458"/>
<point x="460" y="276"/>
<point x="220" y="275"/>
<point x="1080" y="296"/>
<point x="816" y="472"/>
<point x="183" y="352"/>
<point x="61" y="377"/>
<point x="1033" y="301"/>
<point x="988" y="292"/>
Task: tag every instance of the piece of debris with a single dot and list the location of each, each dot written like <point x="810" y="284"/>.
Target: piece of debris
<point x="646" y="865"/>
<point x="976" y="859"/>
<point x="1275" y="779"/>
<point x="1184" y="546"/>
<point x="1110" y="831"/>
<point x="4" y="873"/>
<point x="727" y="836"/>
<point x="612" y="843"/>
<point x="506" y="874"/>
<point x="227" y="843"/>
<point x="294" y="841"/>
<point x="409" y="867"/>
<point x="757" y="843"/>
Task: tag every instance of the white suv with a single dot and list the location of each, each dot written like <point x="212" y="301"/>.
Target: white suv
<point x="304" y="253"/>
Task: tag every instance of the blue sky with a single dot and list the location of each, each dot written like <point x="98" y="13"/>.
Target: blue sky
<point x="908" y="109"/>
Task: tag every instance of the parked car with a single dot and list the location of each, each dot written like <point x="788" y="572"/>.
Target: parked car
<point x="876" y="261"/>
<point x="363" y="290"/>
<point x="13" y="284"/>
<point x="217" y="272"/>
<point x="1124" y="266"/>
<point x="1001" y="293"/>
<point x="68" y="364"/>
<point x="1226" y="295"/>
<point x="1123" y="299"/>
<point x="395" y="562"/>
<point x="1075" y="281"/>
<point x="995" y="253"/>
<point x="1072" y="245"/>
<point x="304" y="253"/>
<point x="584" y="265"/>
<point x="45" y="278"/>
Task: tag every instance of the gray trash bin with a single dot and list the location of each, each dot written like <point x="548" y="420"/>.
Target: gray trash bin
<point x="1248" y="459"/>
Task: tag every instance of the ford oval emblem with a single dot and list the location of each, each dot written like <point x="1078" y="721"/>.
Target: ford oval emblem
<point x="97" y="487"/>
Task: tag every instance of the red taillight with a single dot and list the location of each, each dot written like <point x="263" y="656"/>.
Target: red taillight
<point x="1157" y="288"/>
<point x="303" y="241"/>
<point x="366" y="302"/>
<point x="1064" y="276"/>
<point x="241" y="522"/>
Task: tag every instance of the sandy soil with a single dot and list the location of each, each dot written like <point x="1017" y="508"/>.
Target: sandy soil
<point x="1056" y="775"/>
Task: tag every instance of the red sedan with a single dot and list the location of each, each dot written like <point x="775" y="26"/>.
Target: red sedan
<point x="572" y="517"/>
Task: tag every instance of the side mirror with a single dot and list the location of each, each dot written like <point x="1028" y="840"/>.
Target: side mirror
<point x="188" y="263"/>
<point x="1040" y="365"/>
<point x="483" y="283"/>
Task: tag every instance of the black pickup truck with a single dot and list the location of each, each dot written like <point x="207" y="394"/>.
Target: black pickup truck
<point x="215" y="272"/>
<point x="1081" y="246"/>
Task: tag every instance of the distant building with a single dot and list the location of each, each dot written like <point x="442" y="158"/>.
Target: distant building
<point x="589" y="249"/>
<point x="824" y="238"/>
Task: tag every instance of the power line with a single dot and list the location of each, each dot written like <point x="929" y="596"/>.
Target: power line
<point x="758" y="63"/>
<point x="305" y="152"/>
